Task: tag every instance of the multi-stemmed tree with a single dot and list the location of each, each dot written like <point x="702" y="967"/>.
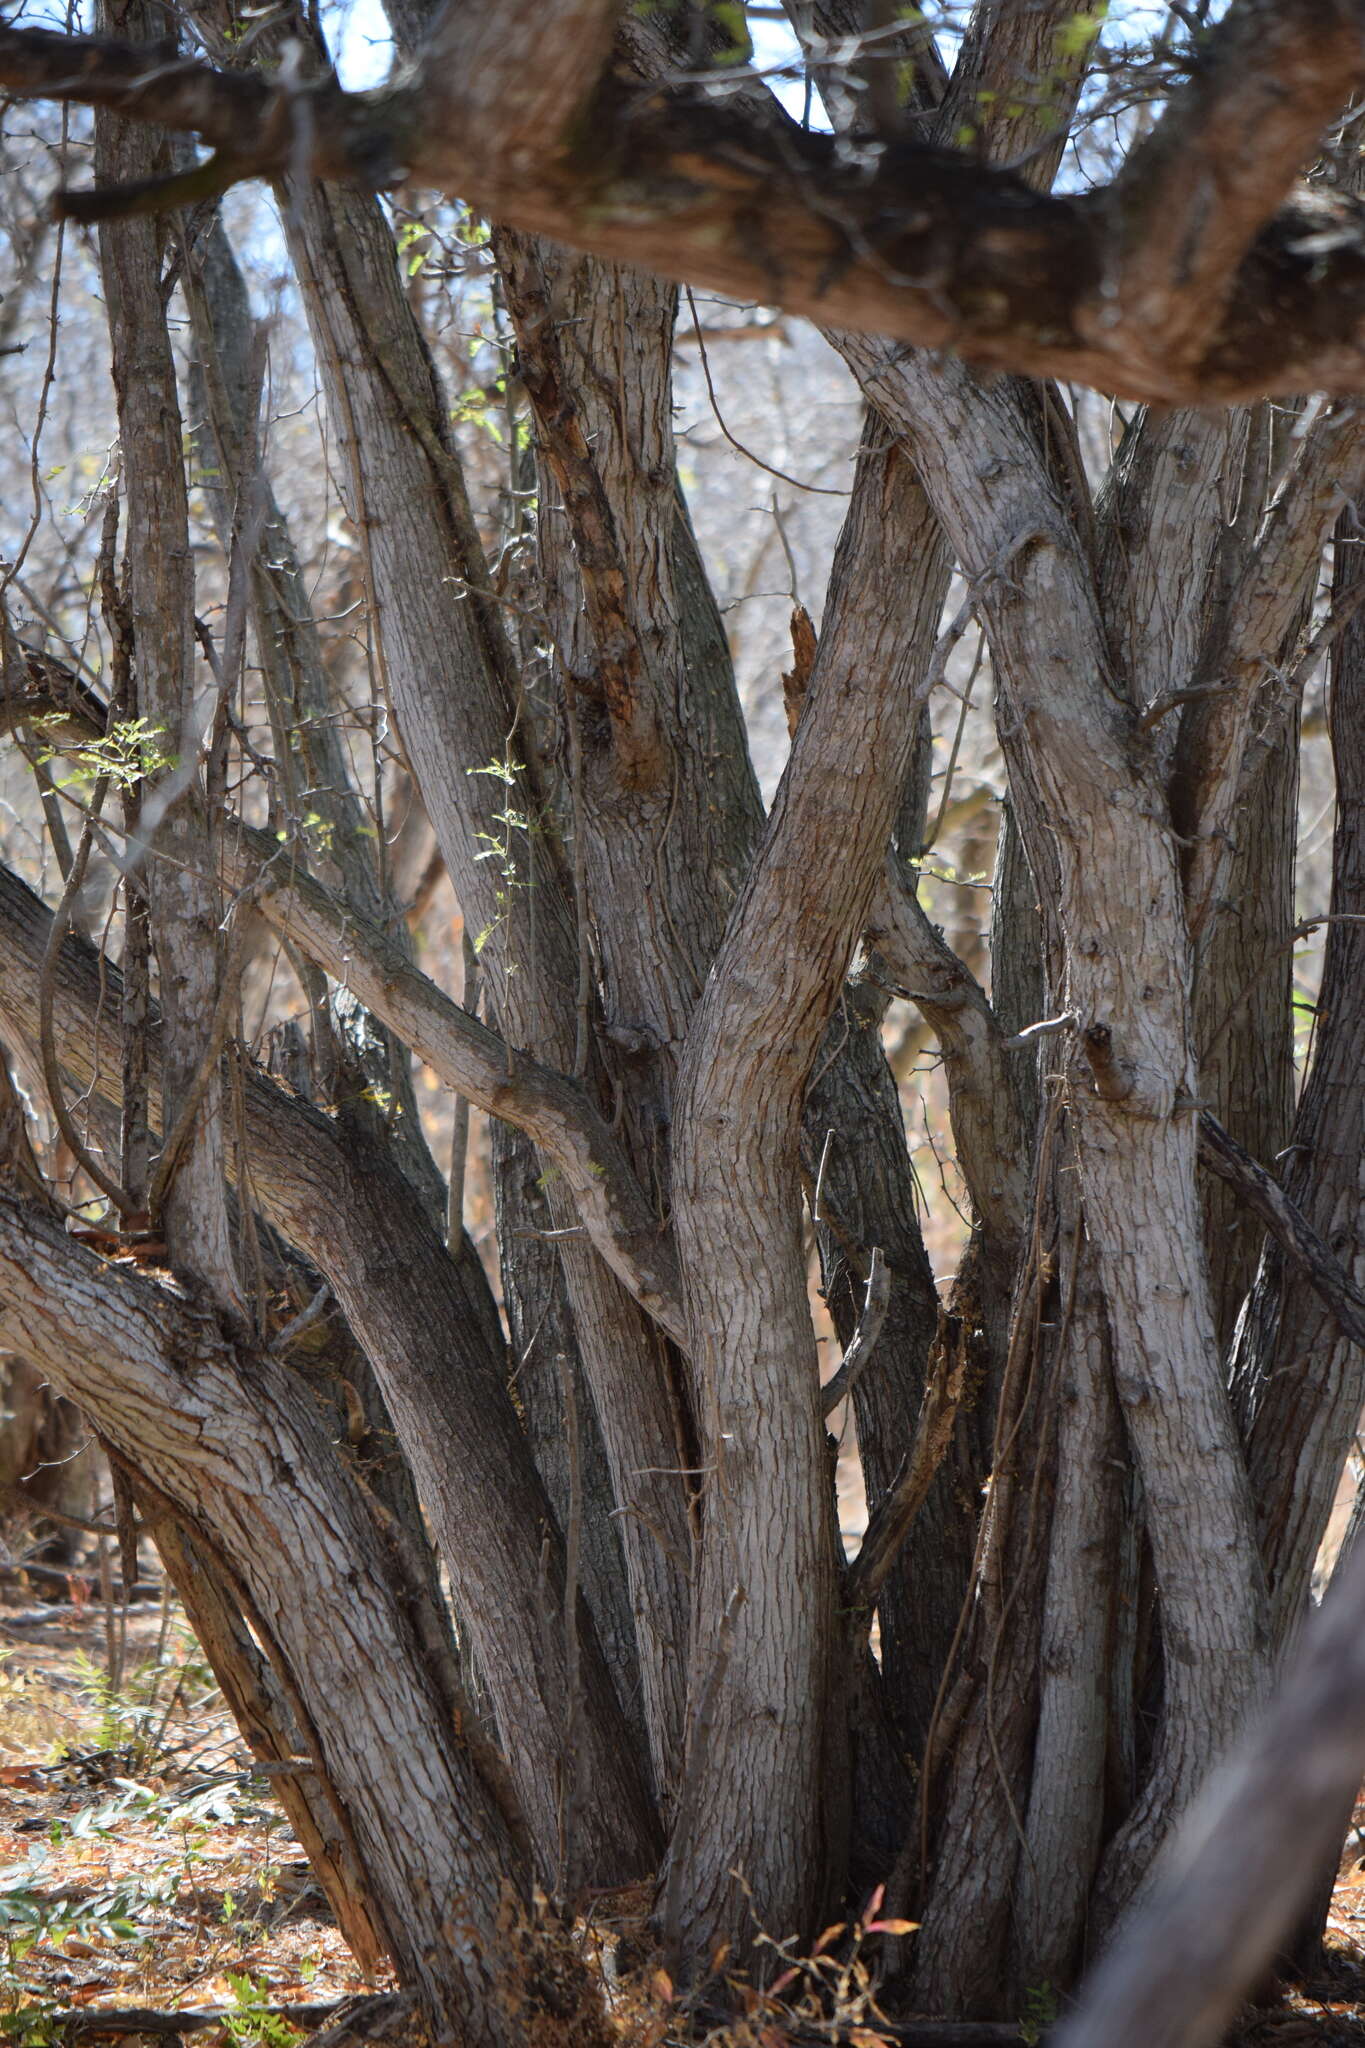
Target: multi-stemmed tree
<point x="1098" y="1473"/>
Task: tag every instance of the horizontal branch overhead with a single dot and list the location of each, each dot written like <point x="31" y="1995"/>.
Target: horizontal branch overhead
<point x="1200" y="275"/>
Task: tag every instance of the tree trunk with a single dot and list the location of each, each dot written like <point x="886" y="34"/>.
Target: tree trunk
<point x="242" y="1455"/>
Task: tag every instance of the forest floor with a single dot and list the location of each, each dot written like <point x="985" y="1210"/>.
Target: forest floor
<point x="146" y="1872"/>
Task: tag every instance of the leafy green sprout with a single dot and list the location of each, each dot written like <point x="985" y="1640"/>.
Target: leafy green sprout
<point x="1042" y="2010"/>
<point x="134" y="1714"/>
<point x="410" y="236"/>
<point x="1074" y="37"/>
<point x="127" y="754"/>
<point x="251" y="2023"/>
<point x="502" y="846"/>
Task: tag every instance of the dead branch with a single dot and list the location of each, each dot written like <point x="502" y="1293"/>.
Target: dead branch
<point x="863" y="1342"/>
<point x="896" y="1512"/>
<point x="1286" y="1223"/>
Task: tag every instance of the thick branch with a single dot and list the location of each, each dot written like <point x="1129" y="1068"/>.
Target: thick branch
<point x="350" y="1211"/>
<point x="236" y="1442"/>
<point x="469" y="1058"/>
<point x="932" y="248"/>
<point x="513" y="75"/>
<point x="476" y="1063"/>
<point x="1191" y="200"/>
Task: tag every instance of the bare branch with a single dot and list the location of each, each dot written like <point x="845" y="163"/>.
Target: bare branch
<point x="1191" y="200"/>
<point x="1286" y="1223"/>
<point x="1217" y="728"/>
<point x="864" y="1339"/>
<point x="895" y="1515"/>
<point x="512" y="75"/>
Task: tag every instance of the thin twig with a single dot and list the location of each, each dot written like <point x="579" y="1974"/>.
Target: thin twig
<point x="82" y="2022"/>
<point x="13" y="1499"/>
<point x="306" y="1320"/>
<point x="1032" y="1032"/>
<point x="964" y="707"/>
<point x="863" y="1342"/>
<point x="820" y="490"/>
<point x="1299" y="931"/>
<point x="817" y="1214"/>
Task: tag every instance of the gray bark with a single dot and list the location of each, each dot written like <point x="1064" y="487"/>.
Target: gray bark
<point x="357" y="1220"/>
<point x="1242" y="1864"/>
<point x="180" y="871"/>
<point x="450" y="675"/>
<point x="764" y="1629"/>
<point x="238" y="1448"/>
<point x="1298" y="1380"/>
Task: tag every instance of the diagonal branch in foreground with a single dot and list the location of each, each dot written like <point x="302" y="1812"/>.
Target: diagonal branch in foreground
<point x="355" y="1217"/>
<point x="1191" y="200"/>
<point x="1243" y="1862"/>
<point x="547" y="1106"/>
<point x="235" y="1441"/>
<point x="1286" y="1223"/>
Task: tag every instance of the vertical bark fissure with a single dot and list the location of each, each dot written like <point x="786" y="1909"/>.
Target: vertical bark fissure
<point x="1127" y="976"/>
<point x="448" y="683"/>
<point x="768" y="1536"/>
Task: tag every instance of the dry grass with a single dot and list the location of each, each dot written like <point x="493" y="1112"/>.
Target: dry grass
<point x="154" y="1870"/>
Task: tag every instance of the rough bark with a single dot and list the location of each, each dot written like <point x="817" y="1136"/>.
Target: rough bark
<point x="453" y="688"/>
<point x="238" y="1449"/>
<point x="259" y="1706"/>
<point x="1241" y="1866"/>
<point x="975" y="1776"/>
<point x="541" y="1327"/>
<point x="764" y="1628"/>
<point x="1064" y="1821"/>
<point x="1244" y="1014"/>
<point x="179" y="871"/>
<point x="1126" y="981"/>
<point x="1257" y="657"/>
<point x="1196" y="276"/>
<point x="358" y="1221"/>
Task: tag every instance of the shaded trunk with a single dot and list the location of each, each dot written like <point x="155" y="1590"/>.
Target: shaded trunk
<point x="175" y="858"/>
<point x="1298" y="1381"/>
